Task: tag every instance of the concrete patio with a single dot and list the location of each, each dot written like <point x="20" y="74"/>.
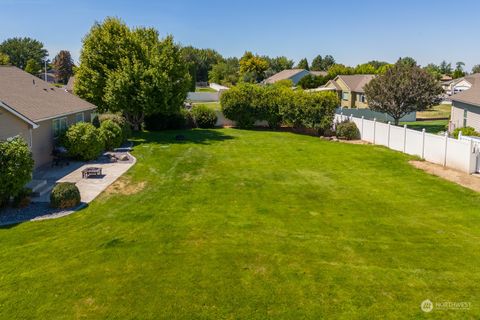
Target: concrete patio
<point x="90" y="187"/>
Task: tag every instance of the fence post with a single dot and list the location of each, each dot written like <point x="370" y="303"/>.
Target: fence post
<point x="374" y="129"/>
<point x="388" y="136"/>
<point x="361" y="133"/>
<point x="351" y="117"/>
<point x="446" y="144"/>
<point x="460" y="135"/>
<point x="404" y="138"/>
<point x="423" y="143"/>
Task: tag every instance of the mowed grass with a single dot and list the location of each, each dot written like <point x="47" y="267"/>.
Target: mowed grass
<point x="234" y="224"/>
<point x="436" y="112"/>
<point x="430" y="126"/>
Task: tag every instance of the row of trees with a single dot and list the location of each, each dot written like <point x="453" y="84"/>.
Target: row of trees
<point x="30" y="55"/>
<point x="276" y="104"/>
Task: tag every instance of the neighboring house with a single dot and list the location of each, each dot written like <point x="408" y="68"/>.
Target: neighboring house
<point x="37" y="111"/>
<point x="350" y="89"/>
<point x="466" y="108"/>
<point x="461" y="84"/>
<point x="295" y="75"/>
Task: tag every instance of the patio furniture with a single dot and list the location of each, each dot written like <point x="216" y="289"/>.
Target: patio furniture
<point x="60" y="156"/>
<point x="91" y="171"/>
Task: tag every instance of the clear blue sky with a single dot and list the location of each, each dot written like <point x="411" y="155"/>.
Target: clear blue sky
<point x="352" y="31"/>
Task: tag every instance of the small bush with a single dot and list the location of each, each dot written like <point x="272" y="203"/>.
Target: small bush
<point x="65" y="195"/>
<point x="466" y="131"/>
<point x="112" y="134"/>
<point x="159" y="121"/>
<point x="237" y="105"/>
<point x="348" y="130"/>
<point x="204" y="117"/>
<point x="83" y="141"/>
<point x="16" y="166"/>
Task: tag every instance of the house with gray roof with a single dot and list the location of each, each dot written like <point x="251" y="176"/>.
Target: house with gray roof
<point x="295" y="75"/>
<point x="37" y="111"/>
<point x="350" y="89"/>
<point x="466" y="106"/>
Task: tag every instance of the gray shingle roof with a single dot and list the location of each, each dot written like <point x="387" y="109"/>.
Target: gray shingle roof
<point x="472" y="95"/>
<point x="284" y="75"/>
<point x="356" y="82"/>
<point x="36" y="99"/>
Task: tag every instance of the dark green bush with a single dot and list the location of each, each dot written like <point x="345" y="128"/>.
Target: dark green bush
<point x="159" y="121"/>
<point x="204" y="117"/>
<point x="83" y="141"/>
<point x="16" y="166"/>
<point x="347" y="130"/>
<point x="64" y="195"/>
<point x="112" y="134"/>
<point x="466" y="131"/>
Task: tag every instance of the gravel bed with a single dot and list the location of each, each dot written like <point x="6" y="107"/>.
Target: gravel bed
<point x="34" y="212"/>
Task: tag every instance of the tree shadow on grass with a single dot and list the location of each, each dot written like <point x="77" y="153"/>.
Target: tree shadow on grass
<point x="204" y="137"/>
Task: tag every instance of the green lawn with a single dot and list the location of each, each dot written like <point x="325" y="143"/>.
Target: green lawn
<point x="431" y="126"/>
<point x="205" y="89"/>
<point x="440" y="111"/>
<point x="211" y="105"/>
<point x="235" y="224"/>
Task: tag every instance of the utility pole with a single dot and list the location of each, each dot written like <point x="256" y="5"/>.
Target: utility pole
<point x="46" y="80"/>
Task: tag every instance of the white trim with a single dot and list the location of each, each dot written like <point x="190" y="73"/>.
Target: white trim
<point x="65" y="114"/>
<point x="21" y="116"/>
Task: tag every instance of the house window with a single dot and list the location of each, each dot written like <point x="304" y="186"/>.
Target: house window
<point x="345" y="96"/>
<point x="465" y="114"/>
<point x="79" y="117"/>
<point x="361" y="98"/>
<point x="59" y="126"/>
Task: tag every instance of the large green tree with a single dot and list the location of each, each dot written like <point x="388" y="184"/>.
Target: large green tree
<point x="131" y="71"/>
<point x="21" y="50"/>
<point x="63" y="65"/>
<point x="403" y="89"/>
<point x="252" y="67"/>
<point x="225" y="72"/>
<point x="33" y="67"/>
<point x="201" y="62"/>
<point x="322" y="64"/>
<point x="303" y="64"/>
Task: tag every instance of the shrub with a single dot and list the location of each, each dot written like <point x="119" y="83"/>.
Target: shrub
<point x="16" y="166"/>
<point x="348" y="130"/>
<point x="466" y="131"/>
<point x="159" y="121"/>
<point x="238" y="105"/>
<point x="64" y="195"/>
<point x="83" y="141"/>
<point x="276" y="104"/>
<point x="120" y="120"/>
<point x="112" y="134"/>
<point x="204" y="117"/>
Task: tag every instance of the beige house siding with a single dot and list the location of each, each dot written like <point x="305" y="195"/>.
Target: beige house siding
<point x="44" y="141"/>
<point x="457" y="116"/>
<point x="11" y="126"/>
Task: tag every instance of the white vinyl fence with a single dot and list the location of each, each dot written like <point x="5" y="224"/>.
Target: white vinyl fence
<point x="457" y="154"/>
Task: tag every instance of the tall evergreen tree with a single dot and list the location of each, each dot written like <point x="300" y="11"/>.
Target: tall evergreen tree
<point x="303" y="64"/>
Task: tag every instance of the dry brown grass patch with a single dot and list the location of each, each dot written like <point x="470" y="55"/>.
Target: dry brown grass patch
<point x="125" y="186"/>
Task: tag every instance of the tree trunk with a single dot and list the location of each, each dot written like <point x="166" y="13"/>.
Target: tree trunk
<point x="396" y="120"/>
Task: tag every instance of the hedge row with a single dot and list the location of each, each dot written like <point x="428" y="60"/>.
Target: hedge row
<point x="247" y="103"/>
